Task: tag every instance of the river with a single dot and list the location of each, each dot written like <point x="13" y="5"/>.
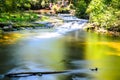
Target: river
<point x="76" y="51"/>
<point x="68" y="49"/>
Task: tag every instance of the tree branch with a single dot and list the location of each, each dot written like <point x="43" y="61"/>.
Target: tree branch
<point x="25" y="74"/>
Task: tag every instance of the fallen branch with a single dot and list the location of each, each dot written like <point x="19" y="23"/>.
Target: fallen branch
<point x="25" y="74"/>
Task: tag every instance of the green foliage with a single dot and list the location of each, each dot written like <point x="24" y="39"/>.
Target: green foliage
<point x="43" y="3"/>
<point x="80" y="7"/>
<point x="17" y="17"/>
<point x="14" y="5"/>
<point x="44" y="18"/>
<point x="19" y="20"/>
<point x="104" y="13"/>
<point x="62" y="9"/>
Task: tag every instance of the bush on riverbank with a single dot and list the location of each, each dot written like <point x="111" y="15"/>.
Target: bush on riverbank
<point x="104" y="13"/>
<point x="101" y="13"/>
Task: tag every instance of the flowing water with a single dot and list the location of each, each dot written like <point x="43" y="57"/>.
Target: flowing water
<point x="85" y="56"/>
<point x="44" y="50"/>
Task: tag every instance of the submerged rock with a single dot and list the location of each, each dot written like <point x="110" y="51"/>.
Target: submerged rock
<point x="46" y="24"/>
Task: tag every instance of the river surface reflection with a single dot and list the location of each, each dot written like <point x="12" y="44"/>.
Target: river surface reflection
<point x="77" y="52"/>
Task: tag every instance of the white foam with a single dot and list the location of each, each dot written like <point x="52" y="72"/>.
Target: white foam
<point x="48" y="35"/>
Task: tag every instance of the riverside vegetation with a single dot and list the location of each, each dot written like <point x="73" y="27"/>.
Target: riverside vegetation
<point x="22" y="14"/>
<point x="102" y="14"/>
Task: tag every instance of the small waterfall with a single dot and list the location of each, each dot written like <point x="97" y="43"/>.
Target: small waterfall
<point x="71" y="23"/>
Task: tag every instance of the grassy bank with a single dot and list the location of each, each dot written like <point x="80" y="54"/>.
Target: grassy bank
<point x="20" y="20"/>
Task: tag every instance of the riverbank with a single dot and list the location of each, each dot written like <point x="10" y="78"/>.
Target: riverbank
<point x="26" y="20"/>
<point x="114" y="31"/>
<point x="41" y="21"/>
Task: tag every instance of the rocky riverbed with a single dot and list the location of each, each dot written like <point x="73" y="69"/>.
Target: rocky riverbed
<point x="61" y="22"/>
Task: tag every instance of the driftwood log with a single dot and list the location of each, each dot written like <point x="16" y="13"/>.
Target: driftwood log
<point x="26" y="74"/>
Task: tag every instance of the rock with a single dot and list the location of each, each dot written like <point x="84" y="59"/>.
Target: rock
<point x="46" y="24"/>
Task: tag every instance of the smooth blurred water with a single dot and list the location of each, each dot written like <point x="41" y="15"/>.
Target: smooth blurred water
<point x="46" y="50"/>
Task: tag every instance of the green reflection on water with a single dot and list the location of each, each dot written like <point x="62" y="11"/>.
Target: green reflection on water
<point x="10" y="38"/>
<point x="100" y="51"/>
<point x="104" y="53"/>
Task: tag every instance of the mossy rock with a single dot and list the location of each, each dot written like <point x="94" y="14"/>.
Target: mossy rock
<point x="2" y="24"/>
